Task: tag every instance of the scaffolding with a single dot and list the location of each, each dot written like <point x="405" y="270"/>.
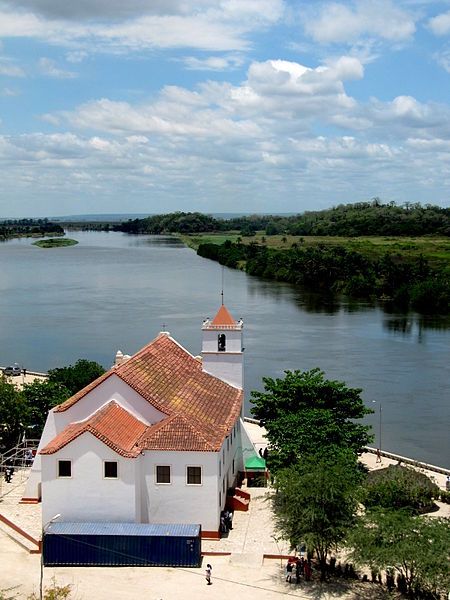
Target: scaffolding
<point x="20" y="459"/>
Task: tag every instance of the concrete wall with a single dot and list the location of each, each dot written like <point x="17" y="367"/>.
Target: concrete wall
<point x="87" y="495"/>
<point x="233" y="340"/>
<point x="226" y="366"/>
<point x="179" y="502"/>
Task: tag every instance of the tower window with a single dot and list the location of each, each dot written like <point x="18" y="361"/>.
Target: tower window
<point x="221" y="341"/>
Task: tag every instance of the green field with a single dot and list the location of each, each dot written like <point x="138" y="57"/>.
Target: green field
<point x="55" y="243"/>
<point x="435" y="249"/>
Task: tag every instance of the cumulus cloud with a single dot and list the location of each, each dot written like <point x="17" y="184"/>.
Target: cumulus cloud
<point x="48" y="67"/>
<point x="440" y="24"/>
<point x="342" y="23"/>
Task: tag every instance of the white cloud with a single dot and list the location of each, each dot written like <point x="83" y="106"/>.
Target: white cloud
<point x="344" y="23"/>
<point x="440" y="24"/>
<point x="9" y="69"/>
<point x="6" y="91"/>
<point x="76" y="56"/>
<point x="206" y="25"/>
<point x="48" y="67"/>
<point x="213" y="63"/>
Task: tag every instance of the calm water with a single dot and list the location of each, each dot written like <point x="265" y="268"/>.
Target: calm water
<point x="115" y="291"/>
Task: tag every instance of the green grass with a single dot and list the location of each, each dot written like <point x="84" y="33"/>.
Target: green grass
<point x="55" y="243"/>
<point x="435" y="249"/>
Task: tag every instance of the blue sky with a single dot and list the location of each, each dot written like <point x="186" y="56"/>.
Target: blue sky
<point x="114" y="106"/>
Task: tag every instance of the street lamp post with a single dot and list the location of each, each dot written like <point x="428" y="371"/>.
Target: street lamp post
<point x="44" y="529"/>
<point x="380" y="411"/>
<point x="380" y="428"/>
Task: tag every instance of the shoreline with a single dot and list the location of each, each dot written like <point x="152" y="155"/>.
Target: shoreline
<point x="439" y="474"/>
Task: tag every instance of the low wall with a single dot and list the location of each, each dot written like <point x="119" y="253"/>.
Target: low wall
<point x="391" y="455"/>
<point x="409" y="461"/>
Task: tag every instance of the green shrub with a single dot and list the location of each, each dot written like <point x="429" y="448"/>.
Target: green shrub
<point x="399" y="487"/>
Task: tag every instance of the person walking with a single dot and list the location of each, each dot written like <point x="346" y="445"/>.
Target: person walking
<point x="208" y="573"/>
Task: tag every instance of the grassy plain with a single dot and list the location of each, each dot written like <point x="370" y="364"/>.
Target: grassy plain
<point x="435" y="249"/>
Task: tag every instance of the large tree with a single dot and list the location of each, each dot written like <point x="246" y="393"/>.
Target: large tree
<point x="317" y="500"/>
<point x="304" y="413"/>
<point x="416" y="547"/>
<point x="76" y="377"/>
<point x="13" y="415"/>
<point x="40" y="397"/>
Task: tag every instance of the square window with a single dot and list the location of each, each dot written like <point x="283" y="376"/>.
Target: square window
<point x="110" y="469"/>
<point x="194" y="475"/>
<point x="162" y="474"/>
<point x="64" y="468"/>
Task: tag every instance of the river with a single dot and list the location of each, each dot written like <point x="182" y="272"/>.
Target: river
<point x="116" y="291"/>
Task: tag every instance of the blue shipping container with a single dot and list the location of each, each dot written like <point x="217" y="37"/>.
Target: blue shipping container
<point x="122" y="544"/>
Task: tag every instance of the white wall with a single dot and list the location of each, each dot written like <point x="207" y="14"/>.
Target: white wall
<point x="178" y="502"/>
<point x="86" y="495"/>
<point x="112" y="388"/>
<point x="225" y="366"/>
<point x="233" y="340"/>
<point x="231" y="451"/>
<point x="248" y="448"/>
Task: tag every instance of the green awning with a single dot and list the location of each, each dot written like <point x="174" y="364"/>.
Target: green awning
<point x="255" y="463"/>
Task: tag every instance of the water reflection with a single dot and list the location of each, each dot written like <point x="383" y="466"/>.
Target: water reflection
<point x="417" y="325"/>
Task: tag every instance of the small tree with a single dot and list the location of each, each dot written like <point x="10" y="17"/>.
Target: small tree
<point x="416" y="547"/>
<point x="304" y="413"/>
<point x="76" y="377"/>
<point x="317" y="500"/>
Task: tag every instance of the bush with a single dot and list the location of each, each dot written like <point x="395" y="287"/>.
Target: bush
<point x="445" y="497"/>
<point x="399" y="487"/>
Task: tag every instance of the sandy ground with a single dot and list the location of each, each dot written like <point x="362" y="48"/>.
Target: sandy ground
<point x="243" y="572"/>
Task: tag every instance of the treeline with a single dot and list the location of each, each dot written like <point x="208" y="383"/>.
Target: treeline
<point x="28" y="227"/>
<point x="338" y="270"/>
<point x="363" y="218"/>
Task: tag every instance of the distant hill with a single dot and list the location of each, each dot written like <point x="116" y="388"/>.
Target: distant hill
<point x="119" y="217"/>
<point x="110" y="218"/>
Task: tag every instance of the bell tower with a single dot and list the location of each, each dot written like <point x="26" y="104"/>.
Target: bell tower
<point x="222" y="350"/>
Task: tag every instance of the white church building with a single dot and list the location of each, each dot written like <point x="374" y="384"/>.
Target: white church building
<point x="159" y="438"/>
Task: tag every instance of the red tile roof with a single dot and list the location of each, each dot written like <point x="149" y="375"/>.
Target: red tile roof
<point x="172" y="380"/>
<point x="223" y="317"/>
<point x="111" y="424"/>
<point x="177" y="433"/>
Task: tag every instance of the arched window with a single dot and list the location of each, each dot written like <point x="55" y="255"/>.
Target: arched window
<point x="221" y="342"/>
